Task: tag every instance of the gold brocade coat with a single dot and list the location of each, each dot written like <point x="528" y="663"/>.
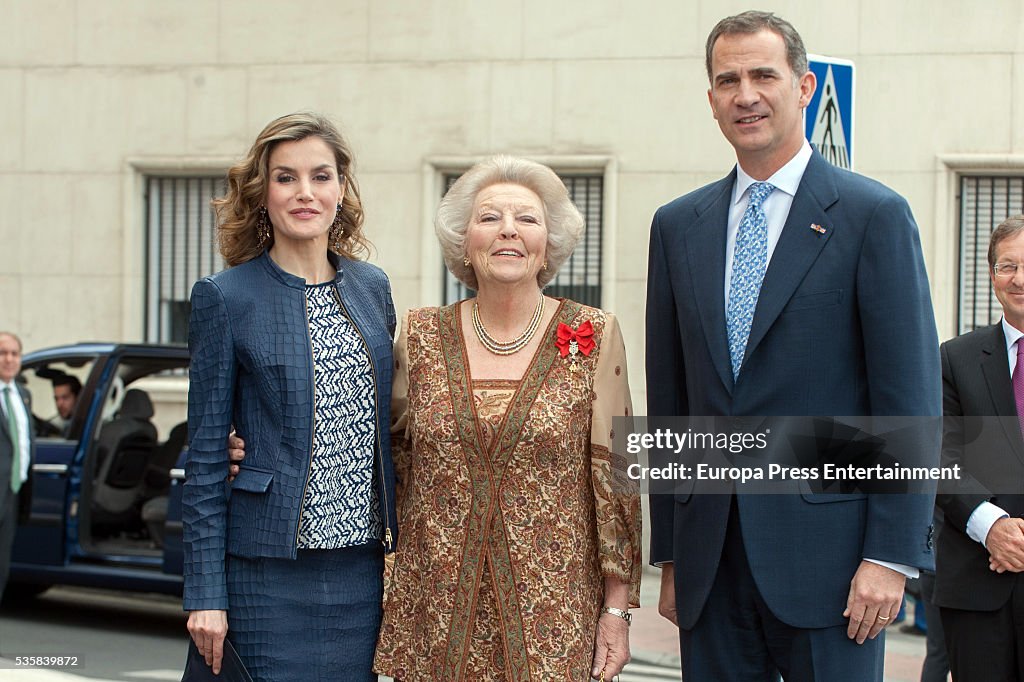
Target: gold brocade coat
<point x="512" y="508"/>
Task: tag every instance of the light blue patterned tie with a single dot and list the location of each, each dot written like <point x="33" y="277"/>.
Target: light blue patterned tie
<point x="749" y="262"/>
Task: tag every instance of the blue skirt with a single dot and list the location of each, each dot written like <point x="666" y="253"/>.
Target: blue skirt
<point x="314" y="618"/>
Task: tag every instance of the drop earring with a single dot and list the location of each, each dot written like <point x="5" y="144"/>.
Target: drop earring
<point x="262" y="227"/>
<point x="336" y="234"/>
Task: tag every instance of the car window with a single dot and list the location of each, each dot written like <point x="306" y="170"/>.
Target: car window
<point x="161" y="384"/>
<point x="168" y="391"/>
<point x="139" y="436"/>
<point x="58" y="399"/>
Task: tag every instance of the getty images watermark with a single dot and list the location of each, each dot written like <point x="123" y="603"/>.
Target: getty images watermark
<point x="783" y="455"/>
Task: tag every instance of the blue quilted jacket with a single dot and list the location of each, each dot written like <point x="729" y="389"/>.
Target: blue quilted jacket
<point x="252" y="369"/>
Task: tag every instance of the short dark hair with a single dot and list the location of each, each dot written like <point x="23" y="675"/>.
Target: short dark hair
<point x="1010" y="227"/>
<point x="68" y="380"/>
<point x="753" y="21"/>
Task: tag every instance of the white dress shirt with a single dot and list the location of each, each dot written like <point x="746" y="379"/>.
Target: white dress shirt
<point x="776" y="207"/>
<point x="986" y="514"/>
<point x="21" y="416"/>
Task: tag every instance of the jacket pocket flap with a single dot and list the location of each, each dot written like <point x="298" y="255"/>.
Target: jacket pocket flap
<point x="824" y="498"/>
<point x="817" y="299"/>
<point x="253" y="480"/>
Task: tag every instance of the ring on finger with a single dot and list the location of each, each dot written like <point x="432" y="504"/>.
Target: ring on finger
<point x="883" y="618"/>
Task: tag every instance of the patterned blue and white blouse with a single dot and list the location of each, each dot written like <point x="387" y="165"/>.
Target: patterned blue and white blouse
<point x="340" y="506"/>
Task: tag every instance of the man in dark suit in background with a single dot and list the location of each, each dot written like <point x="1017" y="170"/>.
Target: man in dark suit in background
<point x="979" y="584"/>
<point x="16" y="447"/>
<point x="790" y="287"/>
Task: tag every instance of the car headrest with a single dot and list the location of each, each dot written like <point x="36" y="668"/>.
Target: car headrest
<point x="136" y="405"/>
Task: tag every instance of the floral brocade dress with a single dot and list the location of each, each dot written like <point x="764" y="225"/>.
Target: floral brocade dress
<point x="513" y="509"/>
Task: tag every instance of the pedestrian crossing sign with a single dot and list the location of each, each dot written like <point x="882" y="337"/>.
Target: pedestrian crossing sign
<point x="828" y="118"/>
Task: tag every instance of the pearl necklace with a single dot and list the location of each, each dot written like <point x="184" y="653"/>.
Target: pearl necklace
<point x="507" y="347"/>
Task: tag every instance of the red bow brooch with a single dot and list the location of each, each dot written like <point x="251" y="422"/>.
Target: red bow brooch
<point x="571" y="342"/>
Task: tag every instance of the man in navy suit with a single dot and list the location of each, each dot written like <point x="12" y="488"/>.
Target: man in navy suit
<point x="803" y="296"/>
<point x="979" y="578"/>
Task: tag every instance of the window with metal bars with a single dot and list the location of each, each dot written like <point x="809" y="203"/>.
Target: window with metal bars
<point x="181" y="247"/>
<point x="985" y="201"/>
<point x="579" y="278"/>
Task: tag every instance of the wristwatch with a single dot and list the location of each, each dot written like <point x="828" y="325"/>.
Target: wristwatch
<point x="624" y="615"/>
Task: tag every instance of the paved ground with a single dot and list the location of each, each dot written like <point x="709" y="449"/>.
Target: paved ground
<point x="653" y="640"/>
<point x="655" y="644"/>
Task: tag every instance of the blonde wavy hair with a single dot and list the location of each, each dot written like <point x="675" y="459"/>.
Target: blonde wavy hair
<point x="238" y="211"/>
<point x="564" y="222"/>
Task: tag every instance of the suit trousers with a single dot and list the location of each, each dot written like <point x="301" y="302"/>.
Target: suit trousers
<point x="936" y="663"/>
<point x="8" y="526"/>
<point x="987" y="646"/>
<point x="738" y="639"/>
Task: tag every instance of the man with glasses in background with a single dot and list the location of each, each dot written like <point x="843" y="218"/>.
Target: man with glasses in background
<point x="979" y="584"/>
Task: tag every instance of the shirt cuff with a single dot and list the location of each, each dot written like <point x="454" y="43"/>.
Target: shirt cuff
<point x="909" y="571"/>
<point x="982" y="518"/>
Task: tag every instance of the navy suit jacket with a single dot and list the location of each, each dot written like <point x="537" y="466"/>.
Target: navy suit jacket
<point x="7" y="460"/>
<point x="843" y="327"/>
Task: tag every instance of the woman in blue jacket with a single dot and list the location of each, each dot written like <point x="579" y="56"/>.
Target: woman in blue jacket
<point x="292" y="346"/>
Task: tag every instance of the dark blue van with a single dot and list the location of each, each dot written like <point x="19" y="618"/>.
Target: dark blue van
<point x="106" y="495"/>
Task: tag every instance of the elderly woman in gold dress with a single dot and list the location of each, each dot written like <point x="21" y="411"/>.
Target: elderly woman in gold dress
<point x="519" y="544"/>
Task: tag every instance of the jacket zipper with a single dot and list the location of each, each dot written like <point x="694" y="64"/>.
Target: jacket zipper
<point x="312" y="426"/>
<point x="380" y="455"/>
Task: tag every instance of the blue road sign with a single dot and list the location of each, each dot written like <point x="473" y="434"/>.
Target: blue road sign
<point x="828" y="119"/>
